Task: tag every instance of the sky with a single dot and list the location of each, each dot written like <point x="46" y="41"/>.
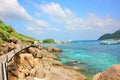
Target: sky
<point x="62" y="19"/>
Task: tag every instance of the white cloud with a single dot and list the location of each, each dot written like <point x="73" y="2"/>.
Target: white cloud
<point x="34" y="29"/>
<point x="37" y="14"/>
<point x="11" y="9"/>
<point x="57" y="13"/>
<point x="72" y="22"/>
<point x="96" y="21"/>
<point x="41" y="27"/>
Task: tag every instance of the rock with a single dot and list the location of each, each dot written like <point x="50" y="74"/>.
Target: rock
<point x="57" y="73"/>
<point x="38" y="79"/>
<point x="73" y="63"/>
<point x="58" y="55"/>
<point x="29" y="78"/>
<point x="14" y="40"/>
<point x="40" y="47"/>
<point x="10" y="77"/>
<point x="96" y="76"/>
<point x="40" y="72"/>
<point x="78" y="68"/>
<point x="40" y="53"/>
<point x="53" y="49"/>
<point x="9" y="46"/>
<point x="18" y="45"/>
<point x="39" y="64"/>
<point x="112" y="73"/>
<point x="27" y="60"/>
<point x="21" y="75"/>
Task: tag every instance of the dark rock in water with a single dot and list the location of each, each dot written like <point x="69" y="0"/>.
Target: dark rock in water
<point x="59" y="55"/>
<point x="73" y="63"/>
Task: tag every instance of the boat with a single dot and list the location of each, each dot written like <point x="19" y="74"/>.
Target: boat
<point x="109" y="42"/>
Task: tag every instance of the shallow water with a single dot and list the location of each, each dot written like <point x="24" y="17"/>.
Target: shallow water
<point x="90" y="55"/>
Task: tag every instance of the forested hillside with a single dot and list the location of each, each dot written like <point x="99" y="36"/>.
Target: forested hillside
<point x="115" y="35"/>
<point x="7" y="31"/>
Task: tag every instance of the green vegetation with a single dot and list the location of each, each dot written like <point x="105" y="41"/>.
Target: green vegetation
<point x="90" y="77"/>
<point x="48" y="40"/>
<point x="115" y="35"/>
<point x="7" y="31"/>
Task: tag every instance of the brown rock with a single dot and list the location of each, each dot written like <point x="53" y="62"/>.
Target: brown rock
<point x="40" y="53"/>
<point x="21" y="75"/>
<point x="40" y="72"/>
<point x="32" y="72"/>
<point x="14" y="40"/>
<point x="10" y="77"/>
<point x="29" y="78"/>
<point x="31" y="67"/>
<point x="112" y="73"/>
<point x="53" y="49"/>
<point x="27" y="60"/>
<point x="9" y="46"/>
<point x="96" y="76"/>
<point x="40" y="47"/>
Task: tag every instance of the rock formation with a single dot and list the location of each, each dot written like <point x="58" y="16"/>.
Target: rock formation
<point x="112" y="73"/>
<point x="38" y="63"/>
<point x="53" y="49"/>
<point x="7" y="47"/>
<point x="14" y="40"/>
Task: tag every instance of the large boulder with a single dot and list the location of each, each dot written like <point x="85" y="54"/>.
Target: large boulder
<point x="14" y="40"/>
<point x="8" y="47"/>
<point x="112" y="73"/>
<point x="40" y="53"/>
<point x="53" y="49"/>
<point x="25" y="63"/>
<point x="31" y="66"/>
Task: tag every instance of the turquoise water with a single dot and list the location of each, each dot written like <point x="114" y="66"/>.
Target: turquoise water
<point x="90" y="55"/>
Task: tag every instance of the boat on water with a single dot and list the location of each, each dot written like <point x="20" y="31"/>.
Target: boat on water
<point x="109" y="42"/>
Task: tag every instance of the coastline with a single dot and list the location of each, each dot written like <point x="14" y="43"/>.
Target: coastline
<point x="39" y="63"/>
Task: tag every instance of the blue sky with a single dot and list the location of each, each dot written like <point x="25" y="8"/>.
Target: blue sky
<point x="62" y="19"/>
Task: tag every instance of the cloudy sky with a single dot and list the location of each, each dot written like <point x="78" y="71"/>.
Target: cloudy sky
<point x="62" y="19"/>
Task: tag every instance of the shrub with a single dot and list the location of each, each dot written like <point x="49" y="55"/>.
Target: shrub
<point x="48" y="40"/>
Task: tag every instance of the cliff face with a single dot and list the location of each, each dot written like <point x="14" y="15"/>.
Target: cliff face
<point x="115" y="35"/>
<point x="37" y="63"/>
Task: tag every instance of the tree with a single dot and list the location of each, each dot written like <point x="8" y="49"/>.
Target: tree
<point x="48" y="40"/>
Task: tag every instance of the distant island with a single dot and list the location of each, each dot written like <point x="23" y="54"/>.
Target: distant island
<point x="115" y="36"/>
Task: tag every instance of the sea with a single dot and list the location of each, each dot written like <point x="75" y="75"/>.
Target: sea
<point x="89" y="55"/>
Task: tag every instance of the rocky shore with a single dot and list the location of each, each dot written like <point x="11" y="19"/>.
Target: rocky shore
<point x="39" y="63"/>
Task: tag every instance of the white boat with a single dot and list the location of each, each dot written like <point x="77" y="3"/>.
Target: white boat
<point x="109" y="42"/>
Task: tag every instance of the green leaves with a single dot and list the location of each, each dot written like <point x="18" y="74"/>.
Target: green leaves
<point x="48" y="40"/>
<point x="7" y="31"/>
<point x="115" y="35"/>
